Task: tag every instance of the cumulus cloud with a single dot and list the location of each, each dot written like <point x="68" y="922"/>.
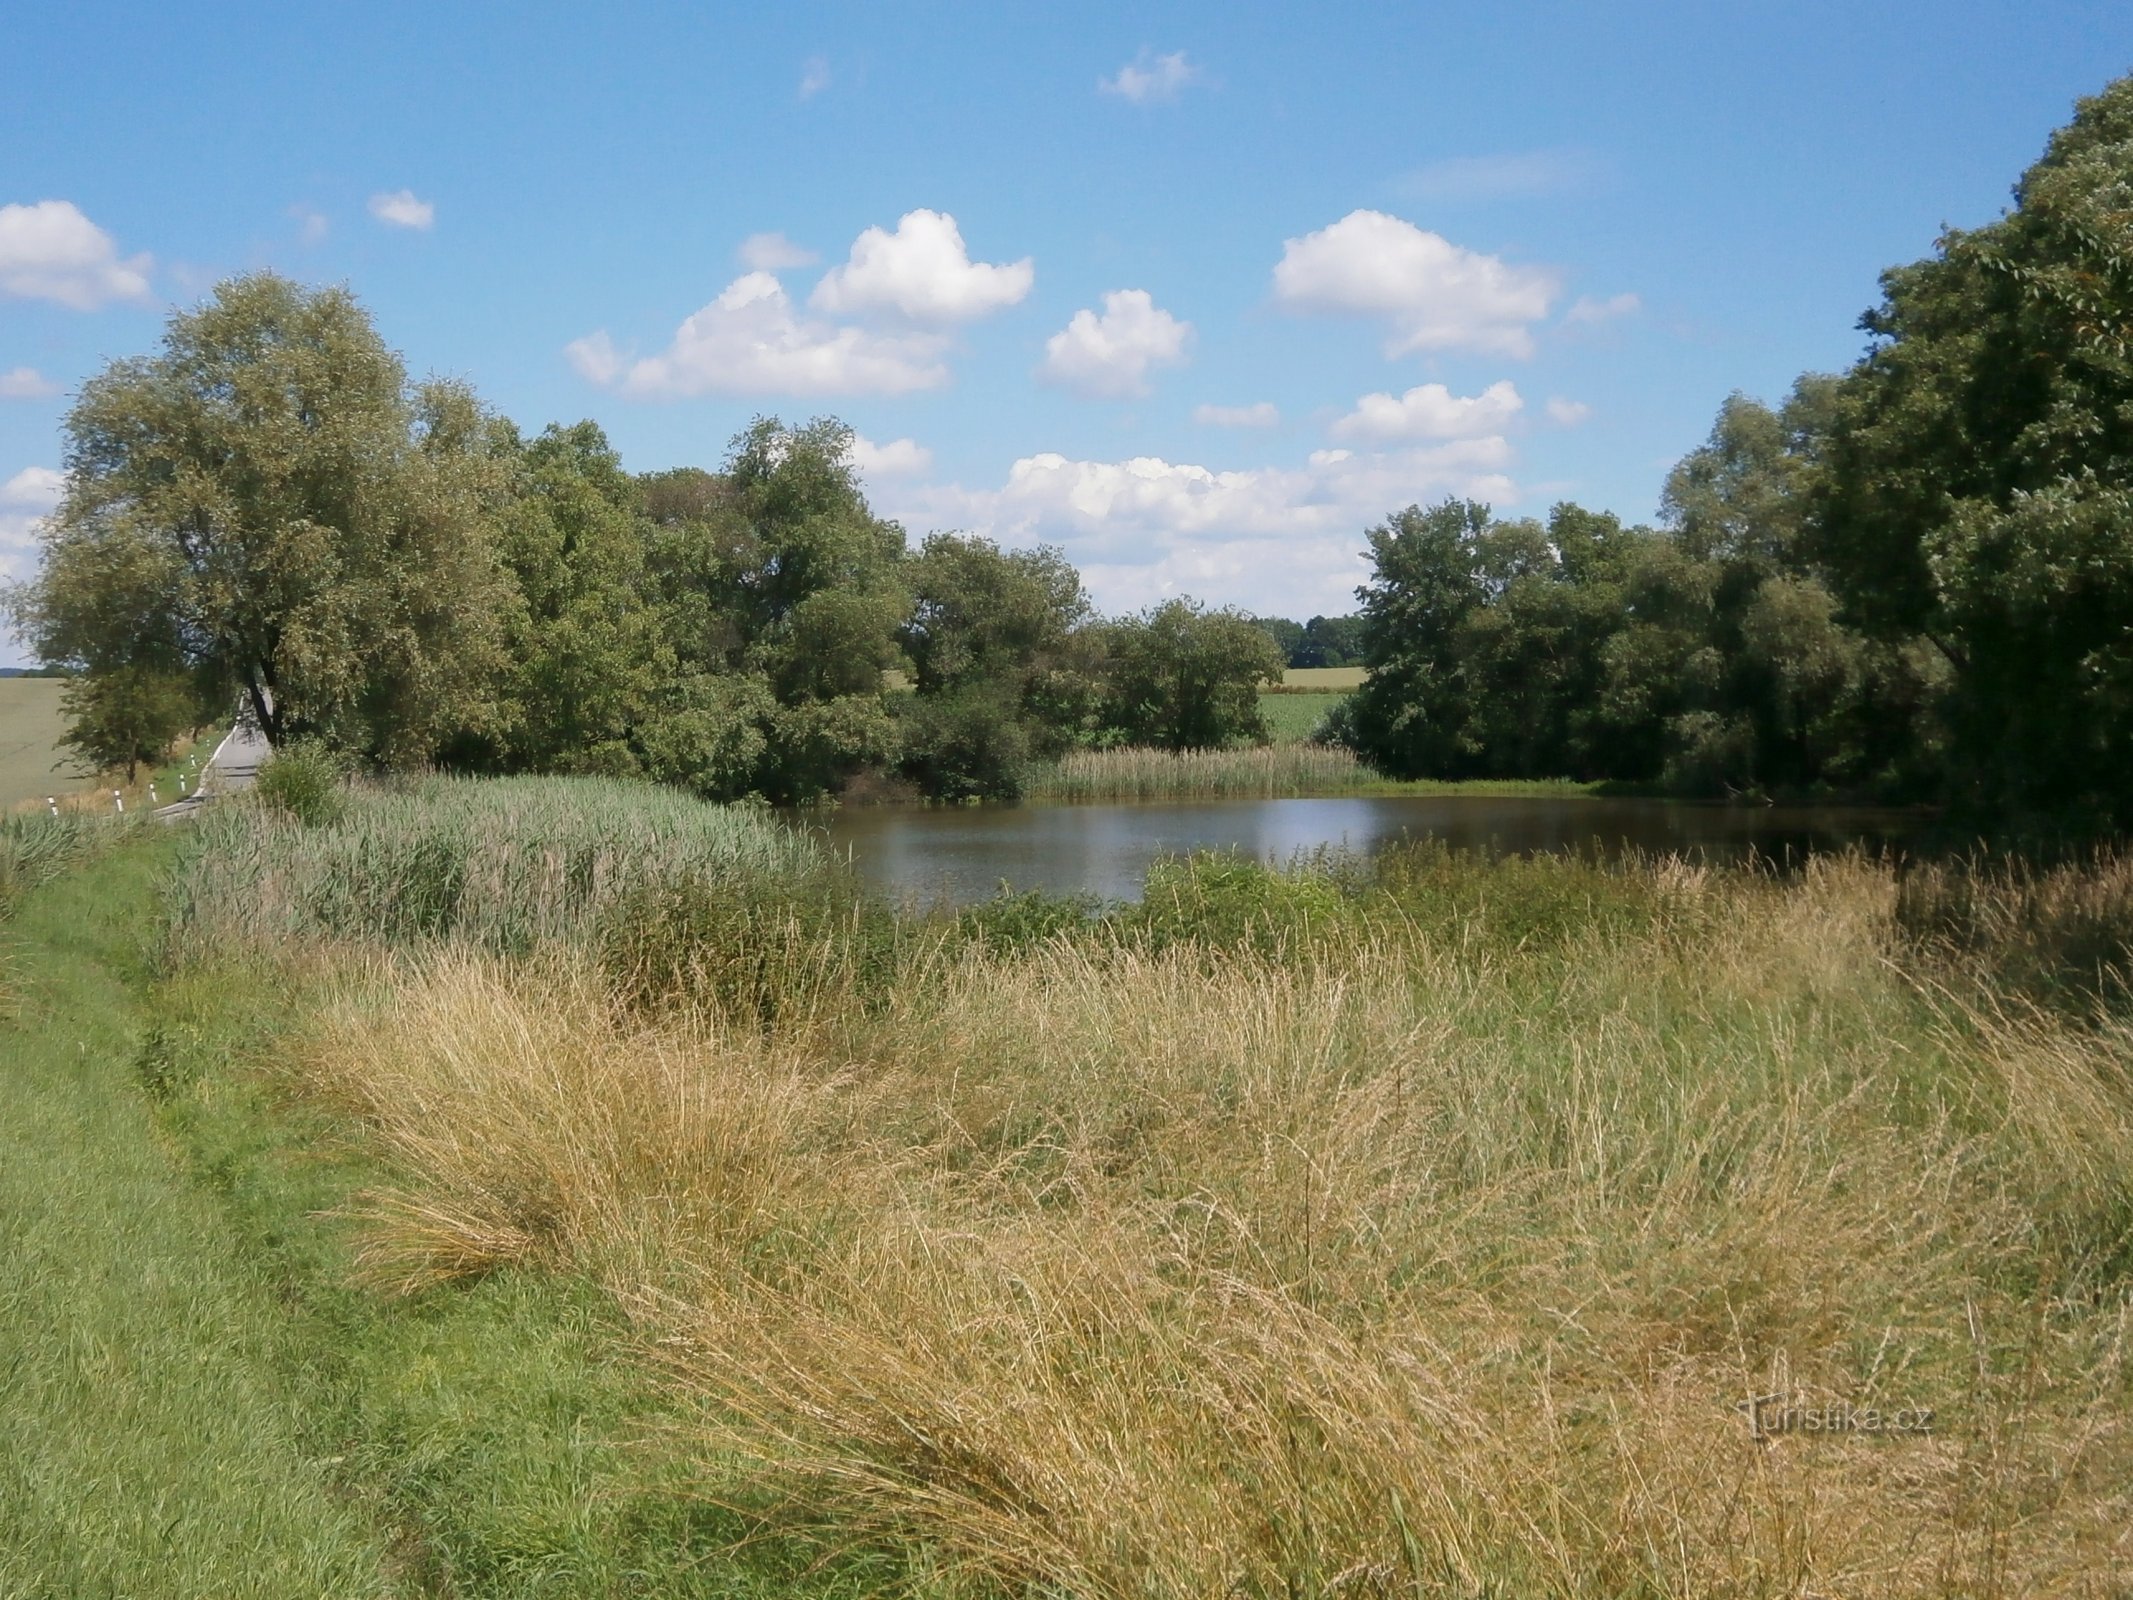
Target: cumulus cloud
<point x="26" y="500"/>
<point x="50" y="251"/>
<point x="1108" y="356"/>
<point x="814" y="77"/>
<point x="922" y="272"/>
<point x="311" y="225"/>
<point x="1589" y="311"/>
<point x="400" y="209"/>
<point x="1261" y="415"/>
<point x="899" y="458"/>
<point x="1431" y="411"/>
<point x="26" y="383"/>
<point x="1149" y="78"/>
<point x="1436" y="295"/>
<point x="1274" y="539"/>
<point x="773" y="252"/>
<point x="751" y="340"/>
<point x="1567" y="413"/>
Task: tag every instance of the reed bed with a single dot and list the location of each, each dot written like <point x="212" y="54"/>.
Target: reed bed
<point x="36" y="847"/>
<point x="504" y="864"/>
<point x="1263" y="772"/>
<point x="1324" y="1233"/>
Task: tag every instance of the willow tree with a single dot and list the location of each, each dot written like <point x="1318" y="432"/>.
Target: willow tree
<point x="1979" y="480"/>
<point x="269" y="507"/>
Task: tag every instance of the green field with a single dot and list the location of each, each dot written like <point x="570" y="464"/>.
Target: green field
<point x="29" y="741"/>
<point x="1295" y="717"/>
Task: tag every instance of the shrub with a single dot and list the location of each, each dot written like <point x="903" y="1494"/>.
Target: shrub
<point x="306" y="780"/>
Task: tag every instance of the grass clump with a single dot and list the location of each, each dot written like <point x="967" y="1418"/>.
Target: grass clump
<point x="1269" y="771"/>
<point x="306" y="781"/>
<point x="2057" y="935"/>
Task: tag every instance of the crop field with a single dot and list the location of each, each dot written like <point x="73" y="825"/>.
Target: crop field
<point x="29" y="741"/>
<point x="1323" y="679"/>
<point x="1294" y="716"/>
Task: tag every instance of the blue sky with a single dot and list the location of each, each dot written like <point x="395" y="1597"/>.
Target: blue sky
<point x="1196" y="291"/>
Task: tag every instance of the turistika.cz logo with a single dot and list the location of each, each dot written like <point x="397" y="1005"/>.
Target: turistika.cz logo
<point x="1772" y="1414"/>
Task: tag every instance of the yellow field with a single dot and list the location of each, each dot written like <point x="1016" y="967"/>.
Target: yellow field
<point x="30" y="727"/>
<point x="1321" y="677"/>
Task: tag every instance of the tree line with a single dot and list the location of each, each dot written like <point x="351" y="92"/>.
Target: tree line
<point x="1912" y="580"/>
<point x="269" y="509"/>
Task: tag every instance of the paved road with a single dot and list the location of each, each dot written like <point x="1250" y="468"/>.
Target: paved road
<point x="233" y="767"/>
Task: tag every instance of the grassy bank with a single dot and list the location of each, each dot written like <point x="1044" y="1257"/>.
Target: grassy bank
<point x="1415" y="1229"/>
<point x="205" y="1395"/>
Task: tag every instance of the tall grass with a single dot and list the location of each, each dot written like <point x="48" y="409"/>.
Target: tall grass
<point x="1331" y="1232"/>
<point x="35" y="848"/>
<point x="1142" y="774"/>
<point x="501" y="864"/>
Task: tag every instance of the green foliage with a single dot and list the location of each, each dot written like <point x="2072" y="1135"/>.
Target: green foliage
<point x="965" y="744"/>
<point x="306" y="780"/>
<point x="1184" y="678"/>
<point x="1225" y="902"/>
<point x="1979" y="466"/>
<point x="128" y="714"/>
<point x="268" y="505"/>
<point x="1708" y="657"/>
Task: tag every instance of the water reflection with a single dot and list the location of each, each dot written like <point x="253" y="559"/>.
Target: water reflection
<point x="960" y="854"/>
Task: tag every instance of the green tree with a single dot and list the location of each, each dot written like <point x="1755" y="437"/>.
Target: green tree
<point x="1185" y="678"/>
<point x="270" y="506"/>
<point x="589" y="657"/>
<point x="1002" y="661"/>
<point x="1409" y="716"/>
<point x="1979" y="480"/>
<point x="125" y="715"/>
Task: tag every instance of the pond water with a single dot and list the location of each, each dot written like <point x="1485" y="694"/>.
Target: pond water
<point x="960" y="854"/>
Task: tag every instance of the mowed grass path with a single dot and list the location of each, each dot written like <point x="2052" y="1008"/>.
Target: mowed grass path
<point x="202" y="1395"/>
<point x="149" y="1448"/>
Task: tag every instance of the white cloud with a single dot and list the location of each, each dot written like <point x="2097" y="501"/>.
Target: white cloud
<point x="400" y="209"/>
<point x="26" y="383"/>
<point x="899" y="458"/>
<point x="1567" y="413"/>
<point x="1431" y="411"/>
<point x="773" y="252"/>
<point x="25" y="500"/>
<point x="1261" y="415"/>
<point x="750" y="340"/>
<point x="50" y="251"/>
<point x="1505" y="176"/>
<point x="1108" y="356"/>
<point x="1275" y="539"/>
<point x="1437" y="295"/>
<point x="923" y="272"/>
<point x="1588" y="310"/>
<point x="814" y="76"/>
<point x="1149" y="78"/>
<point x="311" y="225"/>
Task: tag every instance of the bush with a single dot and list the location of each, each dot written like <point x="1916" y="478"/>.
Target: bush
<point x="965" y="744"/>
<point x="306" y="780"/>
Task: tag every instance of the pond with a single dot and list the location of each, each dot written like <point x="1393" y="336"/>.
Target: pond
<point x="961" y="854"/>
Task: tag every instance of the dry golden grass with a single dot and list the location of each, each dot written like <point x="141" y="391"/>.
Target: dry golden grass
<point x="1401" y="1264"/>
